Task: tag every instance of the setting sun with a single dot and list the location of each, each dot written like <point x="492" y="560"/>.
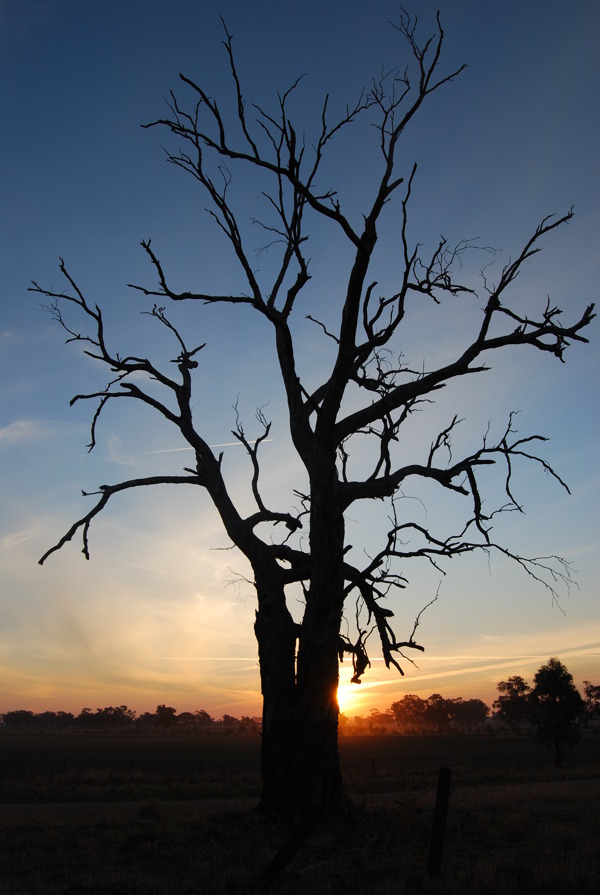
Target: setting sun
<point x="347" y="700"/>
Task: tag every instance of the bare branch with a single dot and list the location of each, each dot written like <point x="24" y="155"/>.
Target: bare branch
<point x="546" y="334"/>
<point x="106" y="492"/>
<point x="166" y="292"/>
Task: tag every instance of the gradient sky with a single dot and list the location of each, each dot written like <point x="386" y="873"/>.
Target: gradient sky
<point x="161" y="613"/>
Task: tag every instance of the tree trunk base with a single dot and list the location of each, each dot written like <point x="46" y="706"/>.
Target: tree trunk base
<point x="306" y="780"/>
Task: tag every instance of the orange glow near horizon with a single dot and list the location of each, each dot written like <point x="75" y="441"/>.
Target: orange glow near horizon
<point x="347" y="701"/>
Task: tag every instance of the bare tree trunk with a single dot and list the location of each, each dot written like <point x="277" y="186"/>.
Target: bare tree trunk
<point x="300" y="759"/>
<point x="318" y="780"/>
<point x="276" y="635"/>
<point x="319" y="784"/>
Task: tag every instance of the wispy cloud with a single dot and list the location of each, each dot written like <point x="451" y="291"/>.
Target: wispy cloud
<point x="24" y="430"/>
<point x="207" y="658"/>
<point x="464" y="674"/>
<point x="15" y="538"/>
<point x="20" y="430"/>
<point x="117" y="452"/>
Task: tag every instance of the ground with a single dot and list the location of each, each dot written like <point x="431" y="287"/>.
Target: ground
<point x="511" y="829"/>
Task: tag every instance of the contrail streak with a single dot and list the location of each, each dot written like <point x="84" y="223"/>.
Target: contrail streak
<point x="224" y="444"/>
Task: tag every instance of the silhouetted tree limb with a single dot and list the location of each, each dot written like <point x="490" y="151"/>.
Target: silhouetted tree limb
<point x="106" y="492"/>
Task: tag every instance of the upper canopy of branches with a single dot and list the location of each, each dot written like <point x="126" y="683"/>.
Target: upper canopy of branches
<point x="209" y="140"/>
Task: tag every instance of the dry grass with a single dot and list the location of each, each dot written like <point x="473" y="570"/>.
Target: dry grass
<point x="541" y="839"/>
<point x="510" y="829"/>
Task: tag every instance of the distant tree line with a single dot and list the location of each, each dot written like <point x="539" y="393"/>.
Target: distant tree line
<point x="411" y="714"/>
<point x="552" y="709"/>
<point x="120" y="717"/>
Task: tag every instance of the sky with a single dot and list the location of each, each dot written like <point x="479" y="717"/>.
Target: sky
<point x="163" y="612"/>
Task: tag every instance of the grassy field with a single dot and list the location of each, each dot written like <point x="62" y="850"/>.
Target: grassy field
<point x="516" y="824"/>
<point x="72" y="766"/>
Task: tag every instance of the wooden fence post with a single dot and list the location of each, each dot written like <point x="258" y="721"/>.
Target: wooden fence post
<point x="439" y="822"/>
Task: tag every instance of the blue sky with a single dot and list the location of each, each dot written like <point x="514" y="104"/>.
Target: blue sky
<point x="162" y="613"/>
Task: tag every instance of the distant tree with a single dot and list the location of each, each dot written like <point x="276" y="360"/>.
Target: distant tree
<point x="467" y="713"/>
<point x="166" y="716"/>
<point x="114" y="717"/>
<point x="591" y="698"/>
<point x="359" y="723"/>
<point x="513" y="705"/>
<point x="229" y="721"/>
<point x="65" y="719"/>
<point x="145" y="721"/>
<point x="347" y="425"/>
<point x="409" y="711"/>
<point x="203" y="719"/>
<point x="54" y="720"/>
<point x="186" y="721"/>
<point x="46" y="720"/>
<point x="557" y="707"/>
<point x="380" y="722"/>
<point x="19" y="718"/>
<point x="437" y="712"/>
<point x="249" y="725"/>
<point x="85" y="718"/>
<point x="343" y="722"/>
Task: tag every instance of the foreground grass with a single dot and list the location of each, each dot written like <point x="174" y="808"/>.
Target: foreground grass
<point x="68" y="767"/>
<point x="515" y="826"/>
<point x="545" y="839"/>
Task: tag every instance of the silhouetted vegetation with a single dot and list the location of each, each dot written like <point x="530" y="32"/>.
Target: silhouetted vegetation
<point x="554" y="708"/>
<point x="122" y="718"/>
<point x="513" y="704"/>
<point x="591" y="699"/>
<point x="557" y="707"/>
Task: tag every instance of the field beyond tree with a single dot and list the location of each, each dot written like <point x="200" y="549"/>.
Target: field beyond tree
<point x="154" y="816"/>
<point x="68" y="766"/>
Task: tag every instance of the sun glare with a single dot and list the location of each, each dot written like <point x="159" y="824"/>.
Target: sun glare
<point x="347" y="702"/>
